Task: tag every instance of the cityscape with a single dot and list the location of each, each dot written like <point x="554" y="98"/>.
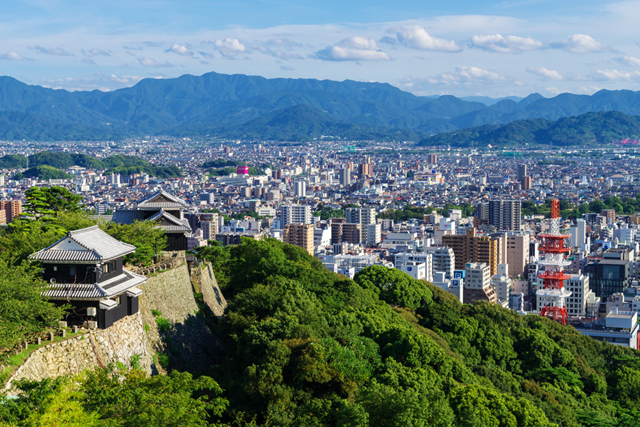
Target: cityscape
<point x="320" y="214"/>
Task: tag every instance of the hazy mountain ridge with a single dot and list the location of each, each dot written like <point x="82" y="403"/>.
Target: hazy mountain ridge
<point x="219" y="105"/>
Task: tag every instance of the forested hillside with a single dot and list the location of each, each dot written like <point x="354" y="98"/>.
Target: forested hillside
<point x="307" y="347"/>
<point x="588" y="128"/>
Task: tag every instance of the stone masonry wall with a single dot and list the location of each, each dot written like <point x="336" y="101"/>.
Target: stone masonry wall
<point x="119" y="343"/>
<point x="208" y="287"/>
<point x="189" y="343"/>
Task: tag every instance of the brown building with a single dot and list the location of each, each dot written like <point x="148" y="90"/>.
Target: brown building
<point x="341" y="232"/>
<point x="525" y="182"/>
<point x="472" y="248"/>
<point x="609" y="214"/>
<point x="12" y="208"/>
<point x="432" y="159"/>
<point x="299" y="235"/>
<point x="3" y="217"/>
<point x="365" y="169"/>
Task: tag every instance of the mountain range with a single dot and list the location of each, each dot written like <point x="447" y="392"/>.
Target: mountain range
<point x="253" y="107"/>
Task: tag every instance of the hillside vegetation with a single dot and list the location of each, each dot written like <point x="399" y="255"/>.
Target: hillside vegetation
<point x="59" y="160"/>
<point x="592" y="128"/>
<point x="307" y="347"/>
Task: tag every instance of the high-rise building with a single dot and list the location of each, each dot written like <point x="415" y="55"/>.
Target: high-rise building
<point x="372" y="234"/>
<point x="352" y="233"/>
<point x="578" y="233"/>
<point x="432" y="159"/>
<point x="578" y="285"/>
<point x="295" y="214"/>
<point x="365" y="169"/>
<point x="525" y="183"/>
<point x="345" y="177"/>
<point x="505" y="214"/>
<point x="471" y="248"/>
<point x="364" y="216"/>
<point x="444" y="259"/>
<point x="299" y="235"/>
<point x="12" y="208"/>
<point x="517" y="252"/>
<point x="477" y="283"/>
<point x="300" y="189"/>
<point x="523" y="171"/>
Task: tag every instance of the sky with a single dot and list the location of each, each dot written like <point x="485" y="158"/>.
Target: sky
<point x="463" y="48"/>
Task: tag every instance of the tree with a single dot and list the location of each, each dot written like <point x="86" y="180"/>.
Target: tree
<point x="144" y="235"/>
<point x="23" y="310"/>
<point x="394" y="286"/>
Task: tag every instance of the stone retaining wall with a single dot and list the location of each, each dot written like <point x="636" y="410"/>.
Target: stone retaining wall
<point x="119" y="343"/>
<point x="208" y="287"/>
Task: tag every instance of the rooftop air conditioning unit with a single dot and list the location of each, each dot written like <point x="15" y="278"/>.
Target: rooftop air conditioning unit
<point x="92" y="311"/>
<point x="92" y="324"/>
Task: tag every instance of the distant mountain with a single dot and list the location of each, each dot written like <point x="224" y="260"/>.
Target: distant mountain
<point x="567" y="131"/>
<point x="298" y="123"/>
<point x="490" y="101"/>
<point x="221" y="105"/>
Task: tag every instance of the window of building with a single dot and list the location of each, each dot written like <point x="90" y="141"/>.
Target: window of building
<point x="72" y="271"/>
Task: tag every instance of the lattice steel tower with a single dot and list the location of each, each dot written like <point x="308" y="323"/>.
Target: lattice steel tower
<point x="554" y="247"/>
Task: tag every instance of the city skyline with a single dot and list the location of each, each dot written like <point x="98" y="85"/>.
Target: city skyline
<point x="483" y="48"/>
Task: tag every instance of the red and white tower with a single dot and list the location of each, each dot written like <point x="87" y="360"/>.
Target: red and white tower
<point x="555" y="248"/>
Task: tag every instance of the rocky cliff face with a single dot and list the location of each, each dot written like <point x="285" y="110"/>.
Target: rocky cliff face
<point x="119" y="343"/>
<point x="205" y="280"/>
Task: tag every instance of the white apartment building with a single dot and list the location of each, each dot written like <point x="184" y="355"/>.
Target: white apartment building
<point x="322" y="237"/>
<point x="578" y="285"/>
<point x="300" y="189"/>
<point x="372" y="234"/>
<point x="295" y="214"/>
<point x="502" y="286"/>
<point x="477" y="283"/>
<point x="420" y="257"/>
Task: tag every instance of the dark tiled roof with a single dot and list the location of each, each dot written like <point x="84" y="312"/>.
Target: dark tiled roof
<point x="97" y="245"/>
<point x="127" y="216"/>
<point x="174" y="202"/>
<point x="110" y="288"/>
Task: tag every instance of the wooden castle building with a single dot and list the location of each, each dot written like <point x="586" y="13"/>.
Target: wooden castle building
<point x="85" y="269"/>
<point x="167" y="212"/>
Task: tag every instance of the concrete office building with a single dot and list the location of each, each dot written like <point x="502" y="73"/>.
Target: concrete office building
<point x="300" y="189"/>
<point x="517" y="252"/>
<point x="414" y="269"/>
<point x="477" y="283"/>
<point x="578" y="285"/>
<point x="365" y="217"/>
<point x="421" y="258"/>
<point x="505" y="214"/>
<point x="345" y="177"/>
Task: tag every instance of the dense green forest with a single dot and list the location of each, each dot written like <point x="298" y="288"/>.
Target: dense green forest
<point x="307" y="347"/>
<point x="592" y="128"/>
<point x="43" y="172"/>
<point x="59" y="160"/>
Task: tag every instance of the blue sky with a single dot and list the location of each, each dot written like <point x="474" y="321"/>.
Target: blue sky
<point x="482" y="47"/>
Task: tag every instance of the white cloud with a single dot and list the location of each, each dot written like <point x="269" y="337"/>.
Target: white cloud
<point x="229" y="48"/>
<point x="353" y="49"/>
<point x="418" y="38"/>
<point x="180" y="50"/>
<point x="509" y="44"/>
<point x="283" y="43"/>
<point x="468" y="75"/>
<point x="580" y="43"/>
<point x="616" y="75"/>
<point x="89" y="61"/>
<point x="103" y="82"/>
<point x="12" y="56"/>
<point x="630" y="60"/>
<point x="149" y="62"/>
<point x="280" y="54"/>
<point x="546" y="73"/>
<point x="97" y="52"/>
<point x="58" y="51"/>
